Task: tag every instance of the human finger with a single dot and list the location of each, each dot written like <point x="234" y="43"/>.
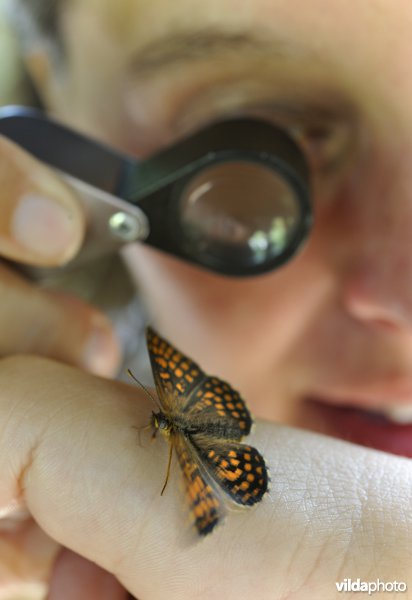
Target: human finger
<point x="26" y="558"/>
<point x="68" y="448"/>
<point x="54" y="324"/>
<point x="41" y="222"/>
<point x="75" y="578"/>
<point x="33" y="566"/>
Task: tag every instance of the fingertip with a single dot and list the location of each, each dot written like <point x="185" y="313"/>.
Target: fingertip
<point x="47" y="231"/>
<point x="76" y="578"/>
<point x="41" y="221"/>
<point x="83" y="336"/>
<point x="102" y="352"/>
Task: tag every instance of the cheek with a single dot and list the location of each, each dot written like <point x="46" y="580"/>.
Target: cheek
<point x="231" y="326"/>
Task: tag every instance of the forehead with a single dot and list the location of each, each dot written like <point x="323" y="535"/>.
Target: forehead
<point x="364" y="52"/>
<point x="371" y="20"/>
<point x="377" y="29"/>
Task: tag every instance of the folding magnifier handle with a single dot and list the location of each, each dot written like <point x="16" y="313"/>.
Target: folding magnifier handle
<point x="92" y="170"/>
<point x="233" y="198"/>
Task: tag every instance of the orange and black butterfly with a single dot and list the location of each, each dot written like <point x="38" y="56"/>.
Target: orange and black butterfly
<point x="204" y="420"/>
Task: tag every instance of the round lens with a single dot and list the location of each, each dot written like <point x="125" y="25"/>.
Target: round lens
<point x="239" y="213"/>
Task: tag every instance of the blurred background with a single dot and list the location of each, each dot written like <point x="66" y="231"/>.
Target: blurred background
<point x="14" y="86"/>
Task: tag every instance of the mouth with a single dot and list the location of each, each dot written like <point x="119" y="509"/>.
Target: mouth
<point x="388" y="429"/>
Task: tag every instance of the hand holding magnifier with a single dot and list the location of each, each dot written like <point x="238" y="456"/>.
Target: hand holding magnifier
<point x="233" y="198"/>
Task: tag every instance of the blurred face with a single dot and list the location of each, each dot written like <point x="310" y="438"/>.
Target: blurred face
<point x="326" y="341"/>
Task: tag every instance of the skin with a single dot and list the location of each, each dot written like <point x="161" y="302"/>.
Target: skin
<point x="336" y="318"/>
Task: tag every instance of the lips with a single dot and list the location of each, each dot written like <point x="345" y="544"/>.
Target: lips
<point x="383" y="429"/>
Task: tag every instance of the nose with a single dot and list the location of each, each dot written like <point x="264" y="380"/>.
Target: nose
<point x="380" y="295"/>
<point x="377" y="267"/>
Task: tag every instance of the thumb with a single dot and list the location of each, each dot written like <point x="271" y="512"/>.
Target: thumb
<point x="40" y="221"/>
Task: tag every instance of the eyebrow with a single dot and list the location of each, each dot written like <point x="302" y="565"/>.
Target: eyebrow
<point x="175" y="49"/>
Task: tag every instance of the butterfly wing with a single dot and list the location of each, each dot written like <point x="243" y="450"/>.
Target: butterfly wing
<point x="239" y="469"/>
<point x="184" y="389"/>
<point x="208" y="416"/>
<point x="217" y="409"/>
<point x="175" y="375"/>
<point x="204" y="499"/>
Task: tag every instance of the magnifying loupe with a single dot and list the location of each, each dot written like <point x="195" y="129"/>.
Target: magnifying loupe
<point x="238" y="214"/>
<point x="233" y="198"/>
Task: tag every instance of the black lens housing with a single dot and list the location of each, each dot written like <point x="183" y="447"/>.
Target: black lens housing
<point x="156" y="185"/>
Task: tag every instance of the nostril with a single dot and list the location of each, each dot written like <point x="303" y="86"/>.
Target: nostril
<point x="386" y="324"/>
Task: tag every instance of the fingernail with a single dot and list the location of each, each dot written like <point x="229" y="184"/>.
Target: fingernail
<point x="101" y="354"/>
<point x="43" y="226"/>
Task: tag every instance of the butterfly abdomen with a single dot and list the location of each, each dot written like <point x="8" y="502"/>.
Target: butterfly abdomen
<point x="210" y="428"/>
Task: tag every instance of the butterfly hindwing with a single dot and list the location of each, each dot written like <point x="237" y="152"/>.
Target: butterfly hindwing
<point x="239" y="469"/>
<point x="214" y="406"/>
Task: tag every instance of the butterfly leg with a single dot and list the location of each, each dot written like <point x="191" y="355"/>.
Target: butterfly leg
<point x="139" y="432"/>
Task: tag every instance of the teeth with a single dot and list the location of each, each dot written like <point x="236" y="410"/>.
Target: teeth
<point x="399" y="414"/>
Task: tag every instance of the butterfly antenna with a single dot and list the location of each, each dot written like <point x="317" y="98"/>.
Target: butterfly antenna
<point x="144" y="388"/>
<point x="169" y="462"/>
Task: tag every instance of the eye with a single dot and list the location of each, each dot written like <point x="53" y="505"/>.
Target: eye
<point x="324" y="139"/>
<point x="324" y="144"/>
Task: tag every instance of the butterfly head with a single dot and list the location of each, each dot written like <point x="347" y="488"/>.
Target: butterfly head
<point x="161" y="423"/>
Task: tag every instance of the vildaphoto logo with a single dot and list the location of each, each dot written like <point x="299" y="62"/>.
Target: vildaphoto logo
<point x="370" y="587"/>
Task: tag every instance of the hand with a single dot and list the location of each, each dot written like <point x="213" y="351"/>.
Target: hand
<point x="41" y="224"/>
<point x="70" y="457"/>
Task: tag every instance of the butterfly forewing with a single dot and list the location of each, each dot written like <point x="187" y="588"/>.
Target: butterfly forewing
<point x="205" y="502"/>
<point x="174" y="373"/>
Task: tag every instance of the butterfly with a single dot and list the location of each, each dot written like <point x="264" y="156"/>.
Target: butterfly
<point x="204" y="418"/>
